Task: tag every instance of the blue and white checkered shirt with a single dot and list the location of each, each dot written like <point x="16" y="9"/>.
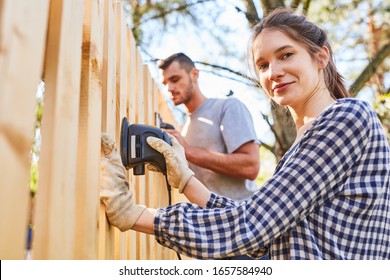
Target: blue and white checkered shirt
<point x="328" y="199"/>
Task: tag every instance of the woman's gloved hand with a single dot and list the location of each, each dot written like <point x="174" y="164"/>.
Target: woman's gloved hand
<point x="121" y="210"/>
<point x="178" y="171"/>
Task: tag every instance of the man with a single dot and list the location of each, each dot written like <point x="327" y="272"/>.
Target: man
<point x="220" y="143"/>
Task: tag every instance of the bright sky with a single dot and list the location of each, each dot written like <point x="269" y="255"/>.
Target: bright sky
<point x="186" y="39"/>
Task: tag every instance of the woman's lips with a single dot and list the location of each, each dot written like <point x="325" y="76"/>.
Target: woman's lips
<point x="281" y="87"/>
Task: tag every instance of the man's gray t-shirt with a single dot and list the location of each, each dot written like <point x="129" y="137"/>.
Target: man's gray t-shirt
<point x="221" y="125"/>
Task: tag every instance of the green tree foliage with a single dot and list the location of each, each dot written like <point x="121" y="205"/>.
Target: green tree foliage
<point x="382" y="107"/>
<point x="358" y="29"/>
<point x="36" y="140"/>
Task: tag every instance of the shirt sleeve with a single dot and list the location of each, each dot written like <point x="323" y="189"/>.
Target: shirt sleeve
<point x="237" y="125"/>
<point x="312" y="176"/>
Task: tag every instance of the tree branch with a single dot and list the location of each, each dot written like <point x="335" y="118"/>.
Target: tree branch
<point x="180" y="8"/>
<point x="254" y="81"/>
<point x="306" y="6"/>
<point x="268" y="147"/>
<point x="251" y="12"/>
<point x="295" y="4"/>
<point x="230" y="78"/>
<point x="272" y="149"/>
<point x="269" y="5"/>
<point x="370" y="70"/>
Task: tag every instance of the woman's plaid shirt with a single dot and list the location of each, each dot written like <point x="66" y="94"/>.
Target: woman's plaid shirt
<point x="329" y="200"/>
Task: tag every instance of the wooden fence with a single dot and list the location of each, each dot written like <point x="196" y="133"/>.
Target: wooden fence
<point x="94" y="76"/>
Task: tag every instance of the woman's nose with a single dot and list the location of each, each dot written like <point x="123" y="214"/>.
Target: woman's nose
<point x="275" y="71"/>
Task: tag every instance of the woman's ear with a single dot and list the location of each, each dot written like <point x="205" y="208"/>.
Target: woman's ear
<point x="323" y="57"/>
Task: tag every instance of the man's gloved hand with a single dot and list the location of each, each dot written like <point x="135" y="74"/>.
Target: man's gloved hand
<point x="121" y="210"/>
<point x="178" y="171"/>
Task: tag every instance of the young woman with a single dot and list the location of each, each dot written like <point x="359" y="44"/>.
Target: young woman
<point x="329" y="197"/>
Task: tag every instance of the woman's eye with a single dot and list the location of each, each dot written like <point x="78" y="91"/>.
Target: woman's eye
<point x="262" y="66"/>
<point x="287" y="55"/>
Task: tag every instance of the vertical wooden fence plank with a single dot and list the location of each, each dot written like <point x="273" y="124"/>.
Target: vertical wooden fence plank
<point x="108" y="240"/>
<point x="131" y="89"/>
<point x="22" y="42"/>
<point x="121" y="105"/>
<point x="132" y="84"/>
<point x="154" y="186"/>
<point x="148" y="99"/>
<point x="147" y="178"/>
<point x="109" y="71"/>
<point x="55" y="209"/>
<point x="87" y="185"/>
<point x="121" y="82"/>
<point x="140" y="88"/>
<point x="157" y="188"/>
<point x="140" y="180"/>
<point x="107" y="232"/>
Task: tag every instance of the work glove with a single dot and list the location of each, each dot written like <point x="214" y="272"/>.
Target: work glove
<point x="178" y="172"/>
<point x="121" y="210"/>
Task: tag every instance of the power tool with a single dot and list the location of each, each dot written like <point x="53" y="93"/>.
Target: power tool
<point x="161" y="124"/>
<point x="135" y="151"/>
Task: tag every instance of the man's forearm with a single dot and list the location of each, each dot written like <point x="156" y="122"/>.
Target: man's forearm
<point x="238" y="164"/>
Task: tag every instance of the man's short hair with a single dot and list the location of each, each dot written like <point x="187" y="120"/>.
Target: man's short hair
<point x="183" y="60"/>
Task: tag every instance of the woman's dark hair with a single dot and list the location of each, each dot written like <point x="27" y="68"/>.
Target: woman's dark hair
<point x="309" y="35"/>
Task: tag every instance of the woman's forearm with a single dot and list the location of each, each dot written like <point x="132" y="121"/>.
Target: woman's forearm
<point x="195" y="192"/>
<point x="145" y="222"/>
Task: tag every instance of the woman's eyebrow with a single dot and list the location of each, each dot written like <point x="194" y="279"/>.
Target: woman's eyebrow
<point x="280" y="49"/>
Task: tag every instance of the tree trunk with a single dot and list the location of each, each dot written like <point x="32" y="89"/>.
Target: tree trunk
<point x="269" y="5"/>
<point x="284" y="130"/>
<point x="370" y="70"/>
<point x="251" y="12"/>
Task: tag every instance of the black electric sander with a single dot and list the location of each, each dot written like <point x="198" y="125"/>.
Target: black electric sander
<point x="136" y="152"/>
